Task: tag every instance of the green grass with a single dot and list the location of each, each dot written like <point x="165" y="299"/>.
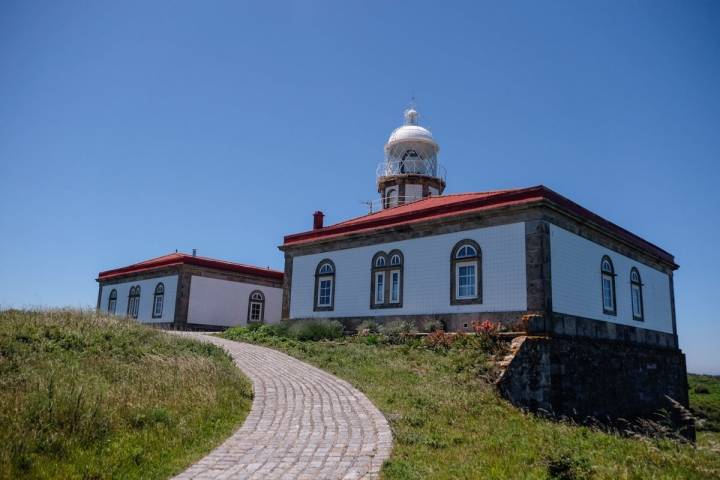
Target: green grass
<point x="705" y="404"/>
<point x="91" y="397"/>
<point x="705" y="401"/>
<point x="448" y="423"/>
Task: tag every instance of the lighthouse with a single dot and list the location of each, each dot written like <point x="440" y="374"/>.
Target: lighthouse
<point x="410" y="171"/>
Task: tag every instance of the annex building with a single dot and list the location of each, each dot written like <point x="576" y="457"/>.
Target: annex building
<point x="190" y="292"/>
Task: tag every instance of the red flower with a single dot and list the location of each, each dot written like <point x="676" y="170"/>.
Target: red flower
<point x="485" y="327"/>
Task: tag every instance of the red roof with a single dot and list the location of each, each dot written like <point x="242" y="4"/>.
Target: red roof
<point x="449" y="205"/>
<point x="176" y="258"/>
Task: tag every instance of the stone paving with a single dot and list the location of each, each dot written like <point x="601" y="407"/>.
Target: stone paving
<point x="304" y="424"/>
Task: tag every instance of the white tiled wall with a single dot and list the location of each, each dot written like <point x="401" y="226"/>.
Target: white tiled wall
<point x="147" y="291"/>
<point x="427" y="275"/>
<point x="576" y="290"/>
<point x="222" y="302"/>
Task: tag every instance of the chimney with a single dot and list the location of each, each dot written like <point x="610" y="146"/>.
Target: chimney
<point x="318" y="220"/>
<point x="194" y="252"/>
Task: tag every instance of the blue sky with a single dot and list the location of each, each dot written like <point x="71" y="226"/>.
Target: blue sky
<point x="130" y="129"/>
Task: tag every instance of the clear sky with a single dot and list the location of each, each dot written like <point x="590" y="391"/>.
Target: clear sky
<point x="130" y="129"/>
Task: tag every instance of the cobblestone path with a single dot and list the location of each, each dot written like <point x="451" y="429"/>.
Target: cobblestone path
<point x="304" y="424"/>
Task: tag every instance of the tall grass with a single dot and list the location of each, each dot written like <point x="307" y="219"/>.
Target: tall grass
<point x="84" y="395"/>
<point x="705" y="404"/>
<point x="301" y="330"/>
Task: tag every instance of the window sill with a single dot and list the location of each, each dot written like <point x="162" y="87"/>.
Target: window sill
<point x="380" y="306"/>
<point x="466" y="301"/>
<point x="323" y="309"/>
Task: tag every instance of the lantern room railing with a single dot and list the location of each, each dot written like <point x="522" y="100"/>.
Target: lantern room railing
<point x="411" y="166"/>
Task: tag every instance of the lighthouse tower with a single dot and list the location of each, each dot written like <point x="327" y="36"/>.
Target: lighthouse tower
<point x="410" y="171"/>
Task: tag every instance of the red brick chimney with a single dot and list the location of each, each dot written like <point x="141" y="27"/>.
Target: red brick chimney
<point x="318" y="220"/>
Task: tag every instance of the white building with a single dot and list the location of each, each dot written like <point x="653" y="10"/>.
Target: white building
<point x="190" y="292"/>
<point x="499" y="256"/>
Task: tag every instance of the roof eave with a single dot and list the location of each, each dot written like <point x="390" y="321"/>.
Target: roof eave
<point x="549" y="199"/>
<point x="197" y="261"/>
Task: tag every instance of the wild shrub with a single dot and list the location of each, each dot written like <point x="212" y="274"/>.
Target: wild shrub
<point x="440" y="340"/>
<point x="702" y="390"/>
<point x="486" y="338"/>
<point x="367" y="327"/>
<point x="372" y="339"/>
<point x="305" y="330"/>
<point x="251" y="327"/>
<point x="258" y="332"/>
<point x="431" y="325"/>
<point x="279" y="329"/>
<point x="473" y="356"/>
<point x="397" y="328"/>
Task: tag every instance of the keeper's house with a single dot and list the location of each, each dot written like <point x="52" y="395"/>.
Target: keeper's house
<point x="190" y="292"/>
<point x="592" y="302"/>
<point x="484" y="256"/>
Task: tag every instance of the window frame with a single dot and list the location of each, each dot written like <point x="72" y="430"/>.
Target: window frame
<point x="610" y="275"/>
<point x="112" y="301"/>
<point x="636" y="284"/>
<point x="386" y="271"/>
<point x="455" y="264"/>
<point x="458" y="266"/>
<point x="392" y="196"/>
<point x="320" y="277"/>
<point x="133" y="308"/>
<point x="395" y="299"/>
<point x="256" y="301"/>
<point x="158" y="295"/>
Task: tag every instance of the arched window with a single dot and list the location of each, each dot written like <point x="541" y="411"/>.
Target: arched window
<point x="256" y="307"/>
<point x="378" y="276"/>
<point x="607" y="273"/>
<point x="158" y="300"/>
<point x="386" y="280"/>
<point x="636" y="295"/>
<point x="395" y="274"/>
<point x="112" y="301"/>
<point x="133" y="302"/>
<point x="325" y="286"/>
<point x="466" y="273"/>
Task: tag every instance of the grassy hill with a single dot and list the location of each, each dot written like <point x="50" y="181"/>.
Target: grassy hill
<point x="448" y="422"/>
<point x="93" y="397"/>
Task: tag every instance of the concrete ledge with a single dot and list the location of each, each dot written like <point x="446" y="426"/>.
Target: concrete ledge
<point x="571" y="326"/>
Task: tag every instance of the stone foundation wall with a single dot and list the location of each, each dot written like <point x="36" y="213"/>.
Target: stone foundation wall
<point x="591" y="377"/>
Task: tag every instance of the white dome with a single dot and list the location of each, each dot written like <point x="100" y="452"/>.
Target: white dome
<point x="412" y="133"/>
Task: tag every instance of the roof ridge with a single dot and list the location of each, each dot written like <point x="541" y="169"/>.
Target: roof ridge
<point x="426" y="199"/>
<point x="175" y="258"/>
<point x="473" y="202"/>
